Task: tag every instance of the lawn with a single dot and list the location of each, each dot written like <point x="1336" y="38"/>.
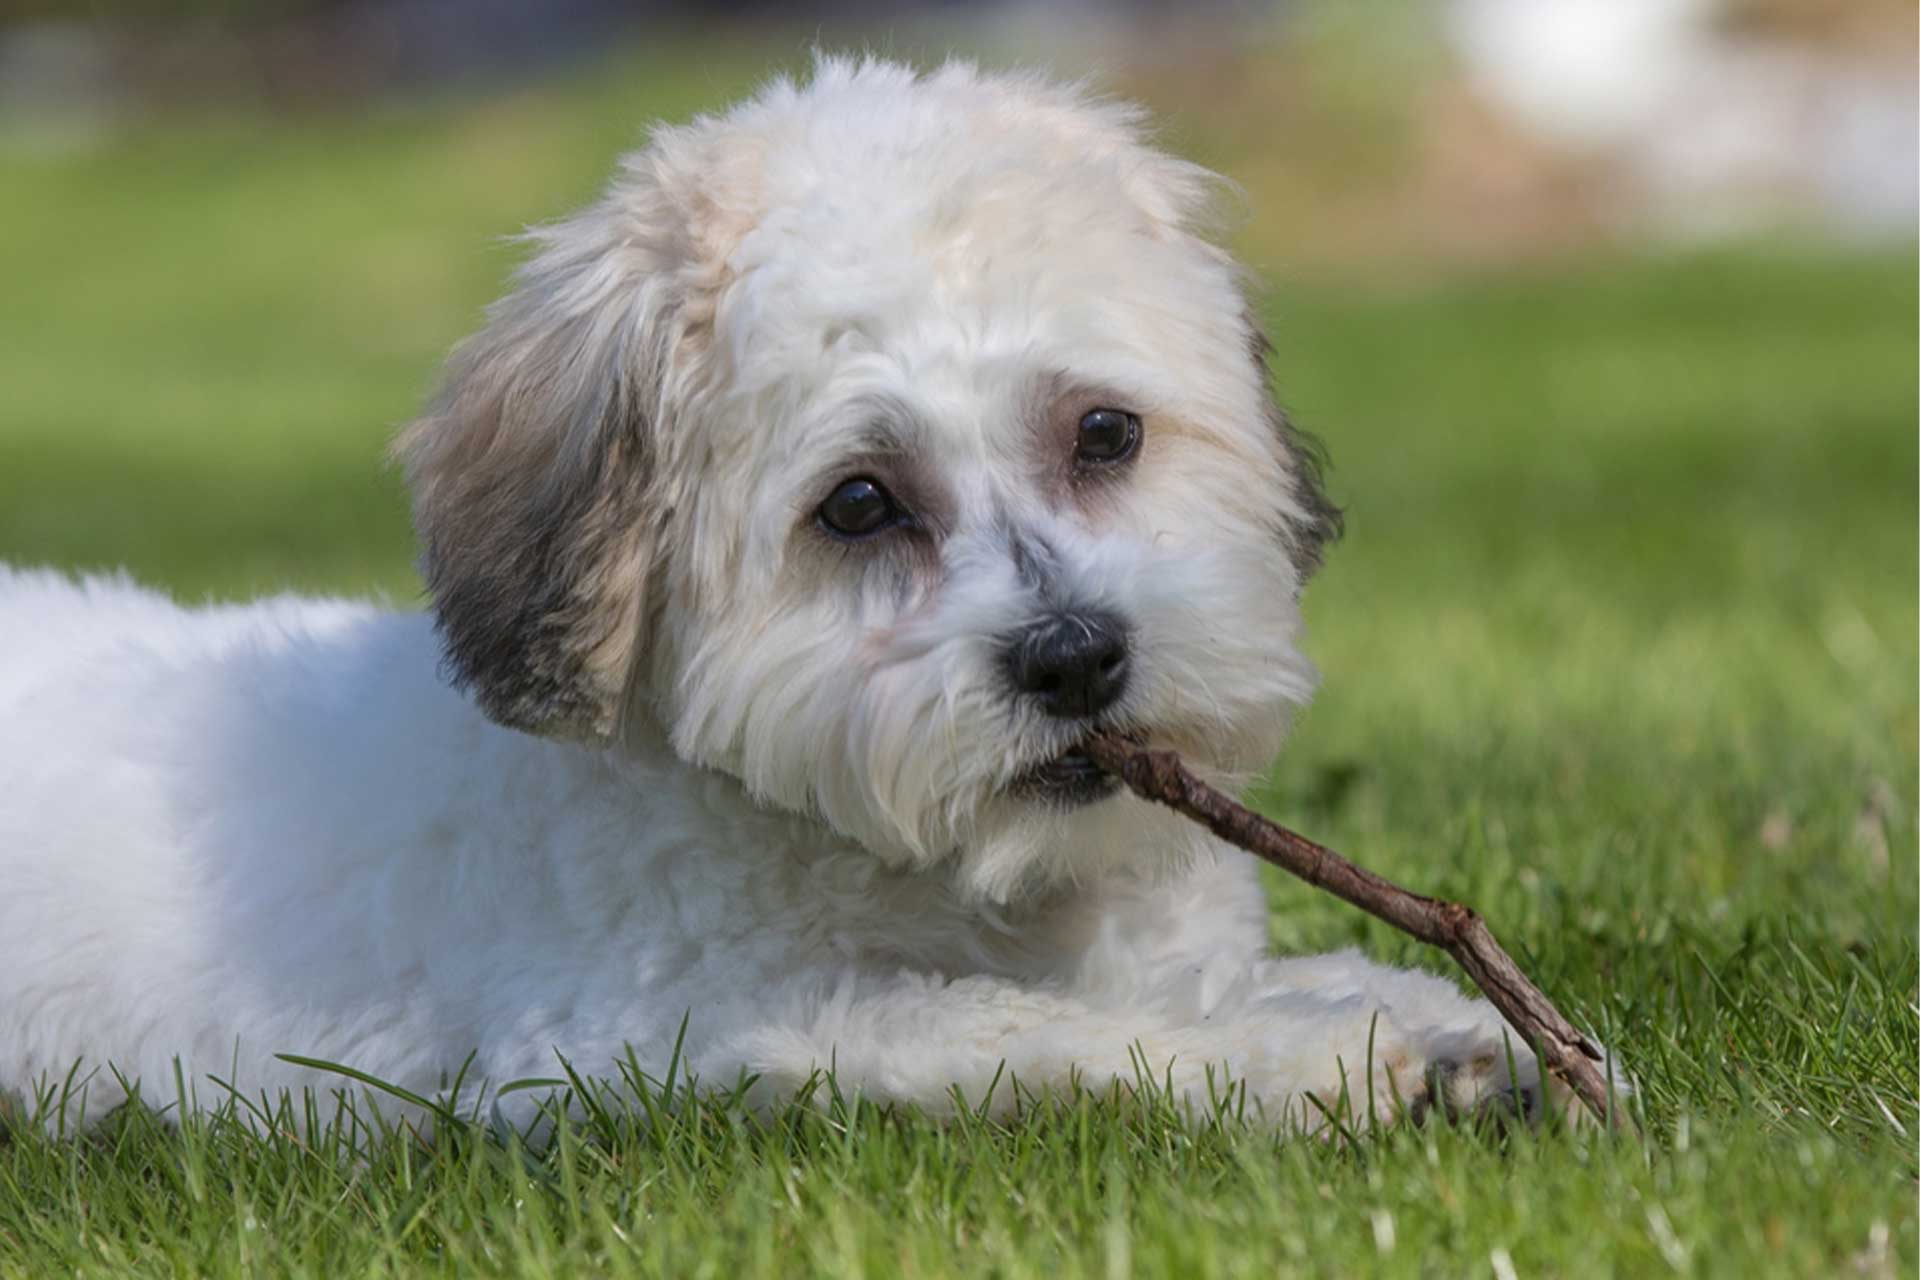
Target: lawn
<point x="1620" y="647"/>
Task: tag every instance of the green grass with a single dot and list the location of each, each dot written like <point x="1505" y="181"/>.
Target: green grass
<point x="1620" y="647"/>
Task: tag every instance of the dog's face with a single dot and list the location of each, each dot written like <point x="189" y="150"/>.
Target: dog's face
<point x="877" y="442"/>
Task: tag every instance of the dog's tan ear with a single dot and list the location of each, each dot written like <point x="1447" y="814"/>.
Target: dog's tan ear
<point x="1185" y="200"/>
<point x="533" y="470"/>
<point x="1308" y="519"/>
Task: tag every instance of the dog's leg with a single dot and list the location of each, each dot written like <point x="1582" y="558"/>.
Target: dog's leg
<point x="1469" y="1062"/>
<point x="1304" y="1037"/>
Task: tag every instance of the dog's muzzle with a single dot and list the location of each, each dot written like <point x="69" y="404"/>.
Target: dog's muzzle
<point x="1072" y="665"/>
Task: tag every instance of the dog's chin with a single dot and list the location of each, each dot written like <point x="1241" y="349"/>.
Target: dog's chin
<point x="1069" y="780"/>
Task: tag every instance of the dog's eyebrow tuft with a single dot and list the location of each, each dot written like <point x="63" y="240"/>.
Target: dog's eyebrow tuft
<point x="888" y="427"/>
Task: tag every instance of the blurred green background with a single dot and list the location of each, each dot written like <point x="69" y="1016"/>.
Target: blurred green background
<point x="1621" y="644"/>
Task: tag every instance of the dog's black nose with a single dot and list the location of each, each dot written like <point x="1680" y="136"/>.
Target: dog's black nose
<point x="1072" y="664"/>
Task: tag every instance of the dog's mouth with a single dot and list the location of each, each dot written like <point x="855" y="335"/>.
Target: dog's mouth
<point x="1070" y="779"/>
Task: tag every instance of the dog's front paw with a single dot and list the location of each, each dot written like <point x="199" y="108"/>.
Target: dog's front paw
<point x="1489" y="1075"/>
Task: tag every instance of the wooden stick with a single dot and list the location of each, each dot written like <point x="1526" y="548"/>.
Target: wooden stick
<point x="1453" y="927"/>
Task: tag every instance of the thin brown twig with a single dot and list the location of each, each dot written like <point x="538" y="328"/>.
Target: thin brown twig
<point x="1453" y="927"/>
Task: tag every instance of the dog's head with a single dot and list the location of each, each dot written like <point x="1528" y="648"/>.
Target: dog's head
<point x="875" y="442"/>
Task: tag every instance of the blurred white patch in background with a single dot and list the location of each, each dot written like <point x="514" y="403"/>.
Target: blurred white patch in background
<point x="1395" y="131"/>
<point x="1724" y="117"/>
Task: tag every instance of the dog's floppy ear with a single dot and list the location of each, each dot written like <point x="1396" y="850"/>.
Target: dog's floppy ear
<point x="533" y="471"/>
<point x="1309" y="520"/>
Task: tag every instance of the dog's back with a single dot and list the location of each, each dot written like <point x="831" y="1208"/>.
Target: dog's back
<point x="56" y="629"/>
<point x="49" y="622"/>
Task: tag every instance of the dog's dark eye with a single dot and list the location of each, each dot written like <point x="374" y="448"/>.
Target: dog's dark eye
<point x="859" y="508"/>
<point x="1106" y="436"/>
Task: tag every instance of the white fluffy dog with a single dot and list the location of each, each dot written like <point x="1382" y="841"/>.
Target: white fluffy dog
<point x="805" y="503"/>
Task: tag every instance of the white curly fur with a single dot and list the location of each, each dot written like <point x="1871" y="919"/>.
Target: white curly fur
<point x="758" y="780"/>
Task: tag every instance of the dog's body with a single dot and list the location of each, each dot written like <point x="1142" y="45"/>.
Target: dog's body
<point x="286" y="833"/>
<point x="805" y="505"/>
